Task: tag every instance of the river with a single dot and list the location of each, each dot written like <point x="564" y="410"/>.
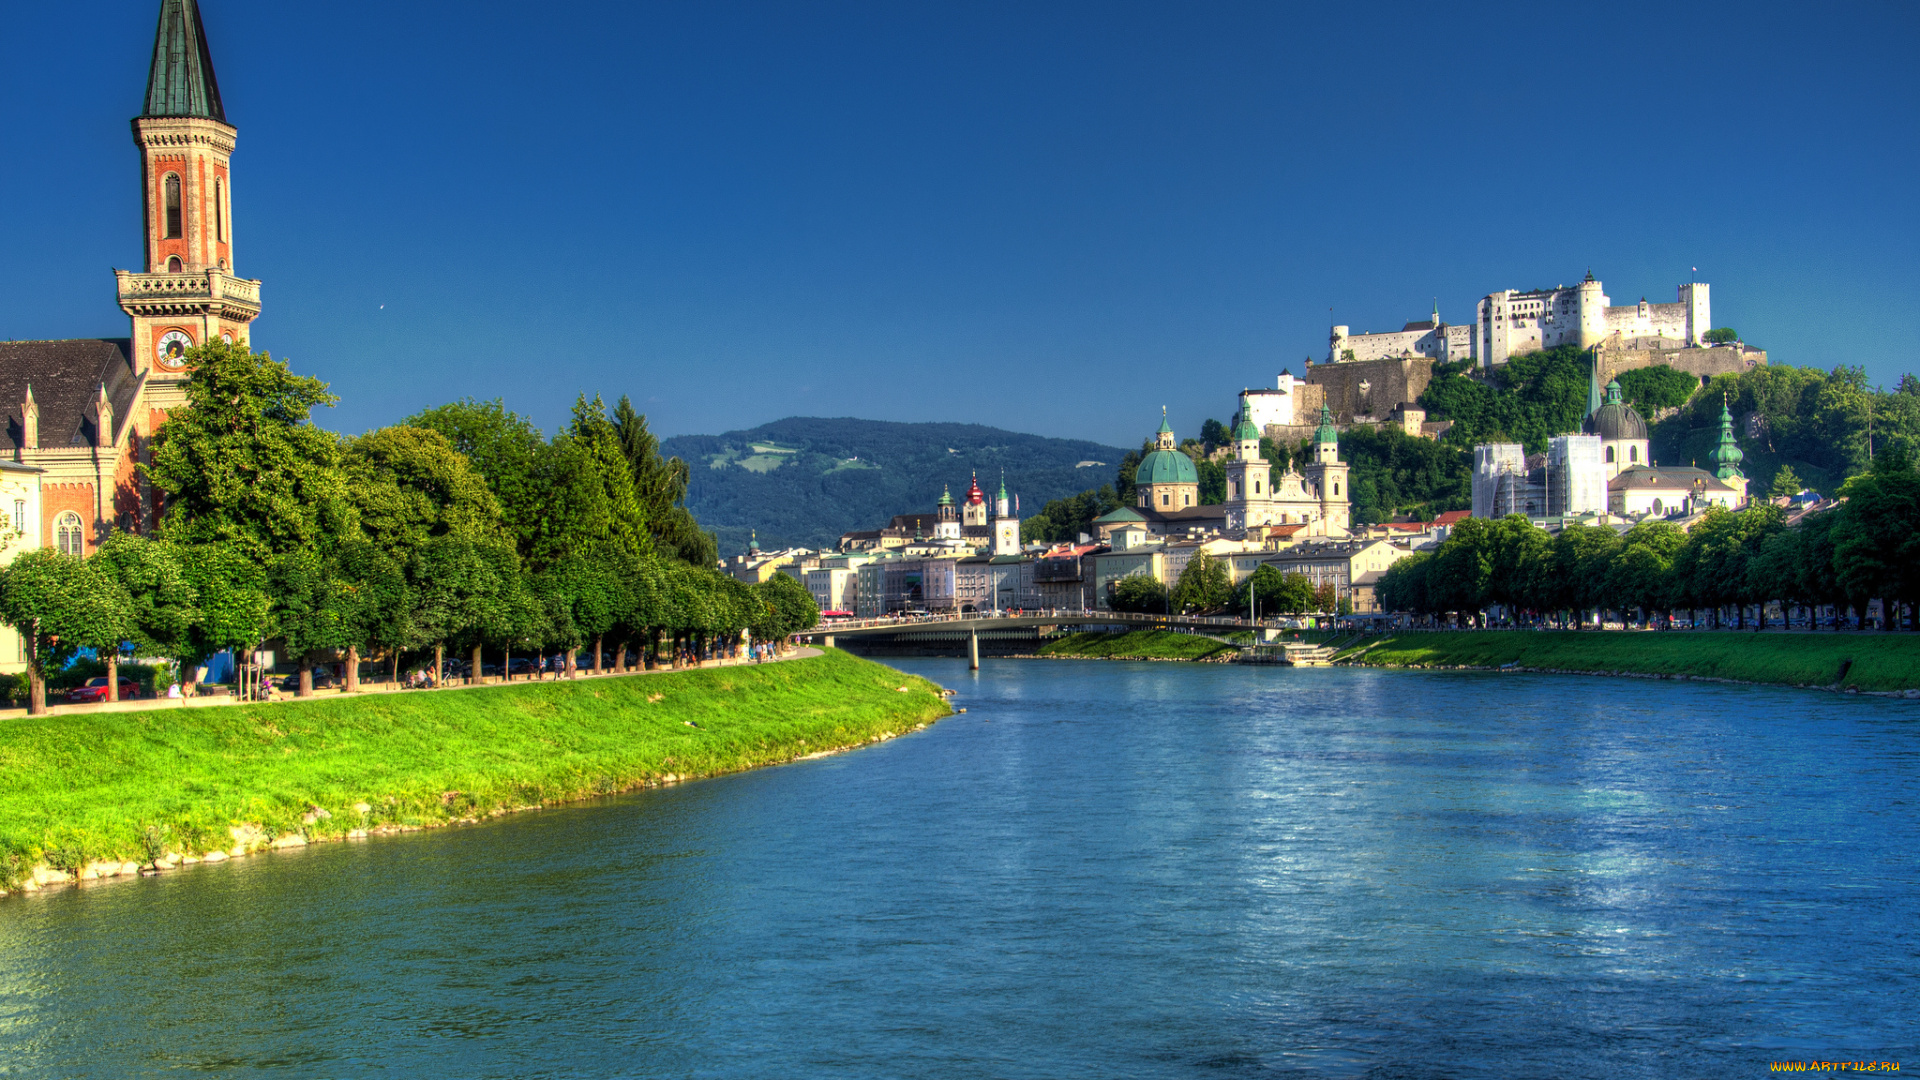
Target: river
<point x="1100" y="870"/>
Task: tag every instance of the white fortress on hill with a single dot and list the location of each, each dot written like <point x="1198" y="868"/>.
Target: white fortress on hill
<point x="1512" y="322"/>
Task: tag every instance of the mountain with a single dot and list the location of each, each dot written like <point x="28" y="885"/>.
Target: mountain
<point x="805" y="480"/>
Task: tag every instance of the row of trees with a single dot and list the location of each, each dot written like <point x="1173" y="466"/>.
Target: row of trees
<point x="464" y="528"/>
<point x="1206" y="587"/>
<point x="1728" y="565"/>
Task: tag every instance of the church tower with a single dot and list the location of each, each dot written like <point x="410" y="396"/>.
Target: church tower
<point x="1329" y="476"/>
<point x="1006" y="527"/>
<point x="188" y="294"/>
<point x="1249" y="480"/>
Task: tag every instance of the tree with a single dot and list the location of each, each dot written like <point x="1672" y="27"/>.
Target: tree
<point x="1640" y="574"/>
<point x="1725" y="335"/>
<point x="507" y="450"/>
<point x="409" y="484"/>
<point x="1461" y="572"/>
<point x="377" y="604"/>
<point x="1205" y="585"/>
<point x="661" y="486"/>
<point x="1403" y="586"/>
<point x="790" y="608"/>
<point x="470" y="592"/>
<point x="1141" y="593"/>
<point x="1876" y="537"/>
<point x="59" y="604"/>
<point x="1785" y="483"/>
<point x="240" y="464"/>
<point x="1275" y="592"/>
<point x="234" y="607"/>
<point x="1657" y="387"/>
<point x="1519" y="558"/>
<point x="1582" y="555"/>
<point x="164" y="604"/>
<point x="1215" y="433"/>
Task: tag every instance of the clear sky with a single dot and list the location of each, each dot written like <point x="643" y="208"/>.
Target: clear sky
<point x="1049" y="217"/>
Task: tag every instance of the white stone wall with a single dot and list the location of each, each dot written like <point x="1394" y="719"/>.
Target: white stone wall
<point x="1276" y="406"/>
<point x="1509" y="323"/>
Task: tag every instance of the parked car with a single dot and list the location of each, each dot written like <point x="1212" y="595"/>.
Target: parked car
<point x="96" y="690"/>
<point x="322" y="679"/>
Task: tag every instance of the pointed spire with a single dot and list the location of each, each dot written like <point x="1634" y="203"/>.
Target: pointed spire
<point x="1325" y="433"/>
<point x="1727" y="456"/>
<point x="30" y="422"/>
<point x="1165" y="428"/>
<point x="182" y="82"/>
<point x="1593" y="386"/>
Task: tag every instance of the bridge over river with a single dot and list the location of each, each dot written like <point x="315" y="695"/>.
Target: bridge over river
<point x="949" y="627"/>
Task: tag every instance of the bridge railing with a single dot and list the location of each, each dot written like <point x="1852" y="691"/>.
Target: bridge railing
<point x="1225" y="622"/>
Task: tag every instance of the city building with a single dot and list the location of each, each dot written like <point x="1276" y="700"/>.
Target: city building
<point x="1318" y="499"/>
<point x="1511" y="322"/>
<point x="1166" y="479"/>
<point x="1428" y="338"/>
<point x="1279" y="407"/>
<point x="85" y="411"/>
<point x="1352" y="567"/>
<point x="1062" y="577"/>
<point x="20" y="531"/>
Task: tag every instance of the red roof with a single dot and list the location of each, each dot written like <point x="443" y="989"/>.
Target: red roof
<point x="974" y="495"/>
<point x="1453" y="517"/>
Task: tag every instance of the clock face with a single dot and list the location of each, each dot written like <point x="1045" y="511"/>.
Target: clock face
<point x="227" y="336"/>
<point x="173" y="348"/>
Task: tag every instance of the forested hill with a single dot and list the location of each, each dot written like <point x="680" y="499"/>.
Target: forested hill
<point x="805" y="480"/>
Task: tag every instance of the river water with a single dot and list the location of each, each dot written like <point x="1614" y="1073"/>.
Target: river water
<point x="1101" y="870"/>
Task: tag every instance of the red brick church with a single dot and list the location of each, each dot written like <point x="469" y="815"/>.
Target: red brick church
<point x="83" y="412"/>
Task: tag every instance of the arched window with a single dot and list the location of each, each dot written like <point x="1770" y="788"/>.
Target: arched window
<point x="173" y="264"/>
<point x="1609" y="455"/>
<point x="1256" y="487"/>
<point x="219" y="212"/>
<point x="1633" y="453"/>
<point x="171" y="193"/>
<point x="68" y="536"/>
<point x="1336" y="487"/>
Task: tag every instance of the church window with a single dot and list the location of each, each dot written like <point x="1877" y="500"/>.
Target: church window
<point x="67" y="534"/>
<point x="19" y="515"/>
<point x="219" y="212"/>
<point x="1166" y="500"/>
<point x="171" y="187"/>
<point x="173" y="264"/>
<point x="1633" y="453"/>
<point x="1609" y="455"/>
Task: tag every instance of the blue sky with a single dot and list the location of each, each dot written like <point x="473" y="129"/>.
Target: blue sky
<point x="1049" y="217"/>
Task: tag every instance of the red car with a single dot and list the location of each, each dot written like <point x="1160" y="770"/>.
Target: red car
<point x="96" y="690"/>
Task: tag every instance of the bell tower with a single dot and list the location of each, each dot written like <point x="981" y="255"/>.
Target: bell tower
<point x="187" y="295"/>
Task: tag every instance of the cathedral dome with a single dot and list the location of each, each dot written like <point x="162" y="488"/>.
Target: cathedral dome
<point x="1166" y="467"/>
<point x="1616" y="420"/>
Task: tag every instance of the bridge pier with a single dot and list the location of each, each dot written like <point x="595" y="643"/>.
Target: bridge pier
<point x="827" y="641"/>
<point x="973" y="650"/>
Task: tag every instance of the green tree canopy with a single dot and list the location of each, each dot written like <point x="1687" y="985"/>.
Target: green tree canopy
<point x="240" y="464"/>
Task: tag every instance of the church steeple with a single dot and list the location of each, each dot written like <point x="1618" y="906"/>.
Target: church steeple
<point x="187" y="295"/>
<point x="181" y="82"/>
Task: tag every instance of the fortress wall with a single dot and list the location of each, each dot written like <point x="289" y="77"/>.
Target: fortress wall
<point x="1698" y="362"/>
<point x="1391" y="382"/>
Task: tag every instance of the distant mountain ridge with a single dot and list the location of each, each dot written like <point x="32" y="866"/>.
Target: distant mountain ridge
<point x="805" y="480"/>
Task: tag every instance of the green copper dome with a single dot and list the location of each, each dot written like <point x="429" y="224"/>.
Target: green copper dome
<point x="946" y="496"/>
<point x="1246" y="430"/>
<point x="1325" y="433"/>
<point x="1616" y="419"/>
<point x="1166" y="467"/>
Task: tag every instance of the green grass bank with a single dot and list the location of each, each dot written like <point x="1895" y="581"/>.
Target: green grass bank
<point x="1137" y="645"/>
<point x="1866" y="662"/>
<point x="75" y="789"/>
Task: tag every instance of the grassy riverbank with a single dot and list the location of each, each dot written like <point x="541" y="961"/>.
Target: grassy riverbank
<point x="1878" y="662"/>
<point x="1137" y="645"/>
<point x="79" y="788"/>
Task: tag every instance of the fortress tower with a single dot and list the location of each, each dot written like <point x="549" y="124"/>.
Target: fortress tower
<point x="188" y="294"/>
<point x="1328" y="475"/>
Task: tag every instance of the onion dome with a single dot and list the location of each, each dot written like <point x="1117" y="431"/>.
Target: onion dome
<point x="1325" y="433"/>
<point x="1246" y="430"/>
<point x="1616" y="420"/>
<point x="1166" y="467"/>
<point x="946" y="496"/>
<point x="974" y="495"/>
<point x="1727" y="456"/>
